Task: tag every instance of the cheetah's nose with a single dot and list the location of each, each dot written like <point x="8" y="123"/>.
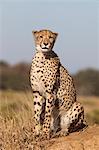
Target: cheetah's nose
<point x="45" y="44"/>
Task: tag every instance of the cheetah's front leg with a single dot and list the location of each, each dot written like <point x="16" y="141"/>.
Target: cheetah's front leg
<point x="48" y="111"/>
<point x="38" y="102"/>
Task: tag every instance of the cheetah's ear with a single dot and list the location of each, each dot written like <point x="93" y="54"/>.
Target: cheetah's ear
<point x="56" y="34"/>
<point x="34" y="33"/>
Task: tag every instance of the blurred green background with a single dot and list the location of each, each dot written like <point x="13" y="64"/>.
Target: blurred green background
<point x="16" y="77"/>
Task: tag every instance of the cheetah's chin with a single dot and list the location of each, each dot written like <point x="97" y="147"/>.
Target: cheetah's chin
<point x="45" y="50"/>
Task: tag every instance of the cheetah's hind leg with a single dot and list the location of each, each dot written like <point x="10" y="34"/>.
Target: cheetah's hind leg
<point x="71" y="120"/>
<point x="76" y="117"/>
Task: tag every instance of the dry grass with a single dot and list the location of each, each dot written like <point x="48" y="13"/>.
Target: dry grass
<point x="16" y="113"/>
<point x="16" y="104"/>
<point x="16" y="120"/>
<point x="91" y="106"/>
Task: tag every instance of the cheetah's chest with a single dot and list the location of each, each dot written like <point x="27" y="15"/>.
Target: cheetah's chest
<point x="37" y="75"/>
<point x="43" y="72"/>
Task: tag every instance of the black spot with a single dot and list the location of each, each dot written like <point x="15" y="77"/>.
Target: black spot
<point x="62" y="104"/>
<point x="37" y="119"/>
<point x="72" y="121"/>
<point x="42" y="79"/>
<point x="71" y="113"/>
<point x="49" y="101"/>
<point x="38" y="71"/>
<point x="78" y="110"/>
<point x="75" y="120"/>
<point x="34" y="103"/>
<point x="75" y="115"/>
<point x="47" y="115"/>
<point x="39" y="103"/>
<point x="76" y="106"/>
<point x="49" y="110"/>
<point x="69" y="107"/>
<point x="35" y="112"/>
<point x="68" y="78"/>
<point x="74" y="109"/>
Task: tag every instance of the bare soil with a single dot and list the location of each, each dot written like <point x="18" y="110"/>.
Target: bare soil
<point x="85" y="140"/>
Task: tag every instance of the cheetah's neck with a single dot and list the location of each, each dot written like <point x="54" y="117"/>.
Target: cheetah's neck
<point x="47" y="55"/>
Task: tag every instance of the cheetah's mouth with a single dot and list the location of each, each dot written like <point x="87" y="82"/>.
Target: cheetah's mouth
<point x="44" y="47"/>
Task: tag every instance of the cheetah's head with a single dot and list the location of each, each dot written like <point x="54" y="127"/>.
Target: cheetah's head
<point x="44" y="40"/>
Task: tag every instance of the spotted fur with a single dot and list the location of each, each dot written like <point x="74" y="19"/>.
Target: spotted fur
<point x="55" y="105"/>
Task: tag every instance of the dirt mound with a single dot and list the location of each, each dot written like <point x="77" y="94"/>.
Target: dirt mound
<point x="85" y="140"/>
<point x="22" y="138"/>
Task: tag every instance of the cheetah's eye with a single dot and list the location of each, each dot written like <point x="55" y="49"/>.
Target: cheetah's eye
<point x="41" y="36"/>
<point x="50" y="37"/>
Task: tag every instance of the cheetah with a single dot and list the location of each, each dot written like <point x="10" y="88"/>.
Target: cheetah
<point x="56" y="109"/>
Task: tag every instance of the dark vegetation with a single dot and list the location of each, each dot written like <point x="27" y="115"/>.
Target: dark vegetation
<point x="87" y="82"/>
<point x="14" y="77"/>
<point x="17" y="78"/>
